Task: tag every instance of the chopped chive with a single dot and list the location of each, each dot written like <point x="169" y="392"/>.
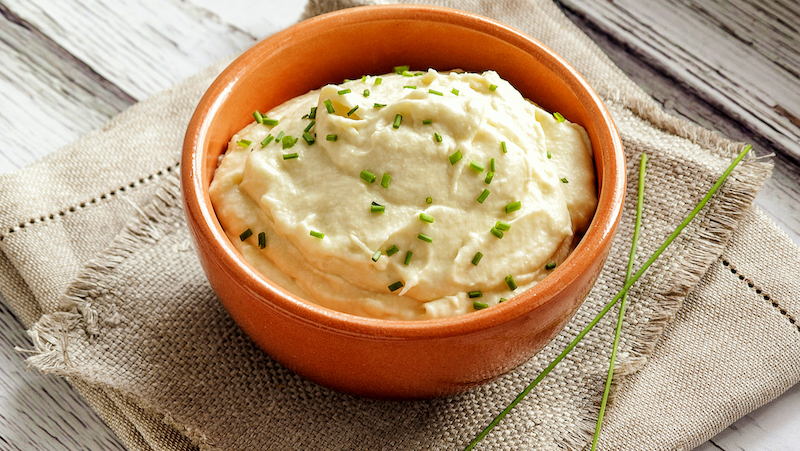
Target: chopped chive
<point x="279" y="137"/>
<point x="489" y="177"/>
<point x="395" y="286"/>
<point x="385" y="179"/>
<point x="268" y="121"/>
<point x="288" y="141"/>
<point x="316" y="234"/>
<point x="397" y="120"/>
<point x="376" y="256"/>
<point x="437" y="137"/>
<point x="510" y="282"/>
<point x="496" y="232"/>
<point x="262" y="240"/>
<point x="353" y="110"/>
<point x="392" y="250"/>
<point x="245" y="235"/>
<point x="407" y="260"/>
<point x="407" y="74"/>
<point x="344" y="91"/>
<point x="564" y="180"/>
<point x="475" y="294"/>
<point x="329" y="106"/>
<point x="492" y="87"/>
<point x="308" y="138"/>
<point x="428" y="200"/>
<point x="454" y="91"/>
<point x="478" y="305"/>
<point x="267" y="140"/>
<point x="244" y="142"/>
<point x="290" y="156"/>
<point x="313" y="113"/>
<point x="400" y="69"/>
<point x="483" y="196"/>
<point x="258" y="117"/>
<point x="368" y="176"/>
<point x="435" y="92"/>
<point x="346" y="80"/>
<point x="548" y="154"/>
<point x="378" y="80"/>
<point x="425" y="217"/>
<point x="425" y="238"/>
<point x="550" y="266"/>
<point x="514" y="206"/>
<point x="366" y="93"/>
<point x="409" y="87"/>
<point x="475" y="166"/>
<point x="427" y="121"/>
<point x="363" y="78"/>
<point x="455" y="157"/>
<point x="503" y="147"/>
<point x="503" y="226"/>
<point x="492" y="165"/>
<point x="379" y="105"/>
<point x="558" y="117"/>
<point x="377" y="208"/>
<point x="477" y="258"/>
<point x="308" y="127"/>
<point x="332" y="138"/>
<point x="501" y="300"/>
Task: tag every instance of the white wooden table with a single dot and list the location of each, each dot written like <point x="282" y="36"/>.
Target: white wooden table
<point x="67" y="66"/>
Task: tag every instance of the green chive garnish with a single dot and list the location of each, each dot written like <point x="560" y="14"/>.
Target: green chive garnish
<point x="379" y="105"/>
<point x="329" y="106"/>
<point x="425" y="238"/>
<point x="550" y="266"/>
<point x="478" y="305"/>
<point x="548" y="154"/>
<point x="510" y="282"/>
<point x="492" y="87"/>
<point x="489" y="177"/>
<point x="366" y="93"/>
<point x="475" y="166"/>
<point x="492" y="165"/>
<point x="427" y="121"/>
<point x="392" y="250"/>
<point x="332" y="138"/>
<point x="428" y="200"/>
<point x="308" y="138"/>
<point x="378" y="80"/>
<point x="377" y="208"/>
<point x="437" y="137"/>
<point x="267" y="140"/>
<point x="483" y="196"/>
<point x="245" y="235"/>
<point x="455" y="157"/>
<point x="407" y="74"/>
<point x="268" y="121"/>
<point x="363" y="78"/>
<point x="244" y="142"/>
<point x="385" y="179"/>
<point x="475" y="294"/>
<point x="425" y="217"/>
<point x="353" y="110"/>
<point x="454" y="91"/>
<point x="397" y="120"/>
<point x="564" y="180"/>
<point x="308" y="127"/>
<point x="262" y="240"/>
<point x="279" y="137"/>
<point x="558" y="117"/>
<point x="316" y="234"/>
<point x="409" y="87"/>
<point x="503" y="226"/>
<point x="313" y="113"/>
<point x="258" y="117"/>
<point x="435" y="92"/>
<point x="368" y="176"/>
<point x="514" y="206"/>
<point x="477" y="258"/>
<point x="407" y="260"/>
<point x="503" y="147"/>
<point x="376" y="256"/>
<point x="288" y="141"/>
<point x="502" y="300"/>
<point x="290" y="156"/>
<point x="496" y="232"/>
<point x="395" y="286"/>
<point x="400" y="69"/>
<point x="344" y="91"/>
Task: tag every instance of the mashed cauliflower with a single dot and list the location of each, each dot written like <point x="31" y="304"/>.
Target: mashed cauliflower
<point x="407" y="196"/>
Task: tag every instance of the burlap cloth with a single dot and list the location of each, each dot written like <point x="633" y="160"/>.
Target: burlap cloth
<point x="96" y="260"/>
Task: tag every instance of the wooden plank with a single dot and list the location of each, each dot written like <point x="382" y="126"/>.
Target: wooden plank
<point x="703" y="45"/>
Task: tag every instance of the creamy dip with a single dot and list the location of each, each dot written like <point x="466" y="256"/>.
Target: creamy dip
<point x="408" y="195"/>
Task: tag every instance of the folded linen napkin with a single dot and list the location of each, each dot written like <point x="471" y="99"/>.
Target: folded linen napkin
<point x="97" y="261"/>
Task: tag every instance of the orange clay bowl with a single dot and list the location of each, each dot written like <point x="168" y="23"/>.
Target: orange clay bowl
<point x="381" y="358"/>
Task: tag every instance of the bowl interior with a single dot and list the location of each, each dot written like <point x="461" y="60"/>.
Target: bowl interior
<point x="372" y="40"/>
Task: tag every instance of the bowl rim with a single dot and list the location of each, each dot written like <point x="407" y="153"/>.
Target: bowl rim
<point x="597" y="237"/>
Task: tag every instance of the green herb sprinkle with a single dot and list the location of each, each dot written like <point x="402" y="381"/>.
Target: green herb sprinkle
<point x="435" y="92"/>
<point x="550" y="266"/>
<point x="329" y="106"/>
<point x="437" y="137"/>
<point x="513" y="206"/>
<point x="245" y="235"/>
<point x="407" y="260"/>
<point x="290" y="156"/>
<point x="344" y="91"/>
<point x="352" y="110"/>
<point x="478" y="305"/>
<point x="425" y="217"/>
<point x="455" y="157"/>
<point x="489" y="177"/>
<point x="559" y="117"/>
<point x="496" y="232"/>
<point x="395" y="286"/>
<point x="385" y="179"/>
<point x="475" y="166"/>
<point x="510" y="282"/>
<point x="316" y="234"/>
<point x="244" y="142"/>
<point x="397" y="120"/>
<point x="477" y="258"/>
<point x="332" y="138"/>
<point x="376" y="256"/>
<point x="475" y="294"/>
<point x="368" y="176"/>
<point x="425" y="238"/>
<point x="262" y="240"/>
<point x="483" y="196"/>
<point x="392" y="250"/>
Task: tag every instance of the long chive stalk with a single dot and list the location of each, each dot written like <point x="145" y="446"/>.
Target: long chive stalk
<point x="637" y="227"/>
<point x="611" y="303"/>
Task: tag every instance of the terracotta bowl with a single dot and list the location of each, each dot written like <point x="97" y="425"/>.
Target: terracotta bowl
<point x="380" y="358"/>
